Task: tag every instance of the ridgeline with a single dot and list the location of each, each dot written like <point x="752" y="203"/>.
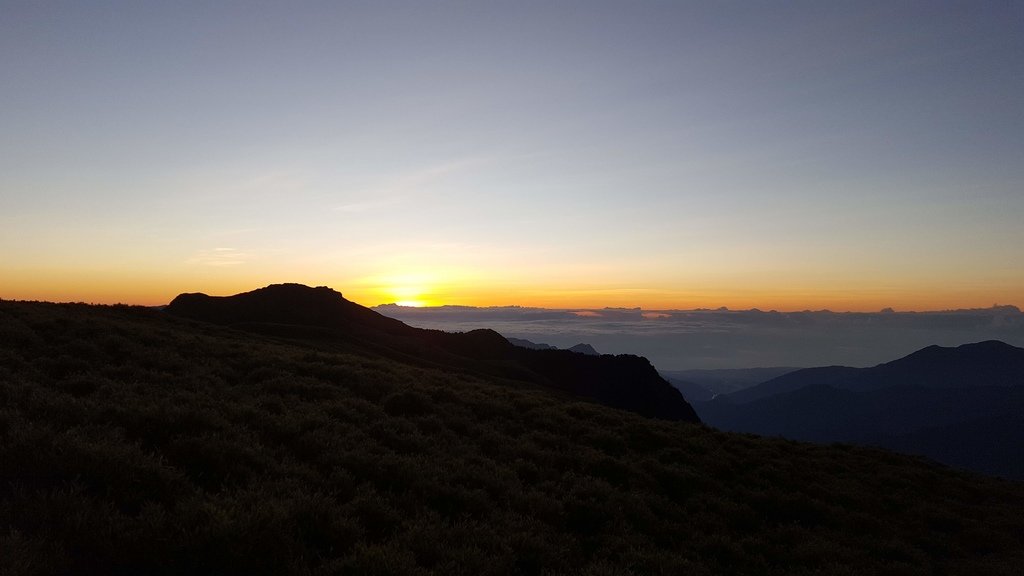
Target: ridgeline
<point x="141" y="441"/>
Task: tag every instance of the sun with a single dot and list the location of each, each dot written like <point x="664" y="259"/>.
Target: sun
<point x="409" y="294"/>
<point x="411" y="303"/>
<point x="413" y="289"/>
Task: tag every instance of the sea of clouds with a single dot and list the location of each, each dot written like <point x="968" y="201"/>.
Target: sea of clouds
<point x="712" y="339"/>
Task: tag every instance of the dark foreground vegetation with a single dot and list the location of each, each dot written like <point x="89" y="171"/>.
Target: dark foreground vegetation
<point x="322" y="315"/>
<point x="134" y="442"/>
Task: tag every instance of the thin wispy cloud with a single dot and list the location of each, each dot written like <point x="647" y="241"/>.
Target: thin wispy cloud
<point x="410" y="186"/>
<point x="219" y="257"/>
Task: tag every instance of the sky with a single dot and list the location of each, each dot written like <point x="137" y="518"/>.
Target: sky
<point x="780" y="155"/>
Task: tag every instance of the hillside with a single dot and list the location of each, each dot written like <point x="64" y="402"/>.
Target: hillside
<point x="138" y="442"/>
<point x="323" y="315"/>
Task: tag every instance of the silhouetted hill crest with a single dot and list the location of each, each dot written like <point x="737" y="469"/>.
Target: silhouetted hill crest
<point x="529" y="344"/>
<point x="583" y="348"/>
<point x="628" y="382"/>
<point x="282" y="304"/>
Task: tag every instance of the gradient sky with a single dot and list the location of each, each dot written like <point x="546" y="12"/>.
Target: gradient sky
<point x="788" y="155"/>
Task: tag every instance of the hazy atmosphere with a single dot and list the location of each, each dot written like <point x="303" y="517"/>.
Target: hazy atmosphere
<point x="841" y="155"/>
<point x="717" y="339"/>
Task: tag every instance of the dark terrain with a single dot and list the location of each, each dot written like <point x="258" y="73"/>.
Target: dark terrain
<point x="323" y="315"/>
<point x="706" y="384"/>
<point x="580" y="348"/>
<point x="962" y="406"/>
<point x="137" y="441"/>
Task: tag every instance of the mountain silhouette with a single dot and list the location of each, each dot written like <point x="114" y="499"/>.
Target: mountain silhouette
<point x="989" y="363"/>
<point x="726" y="380"/>
<point x="529" y="344"/>
<point x="324" y="316"/>
<point x="285" y="304"/>
<point x="691" y="390"/>
<point x="961" y="406"/>
<point x="582" y="348"/>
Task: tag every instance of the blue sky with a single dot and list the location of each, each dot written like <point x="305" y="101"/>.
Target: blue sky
<point x="667" y="154"/>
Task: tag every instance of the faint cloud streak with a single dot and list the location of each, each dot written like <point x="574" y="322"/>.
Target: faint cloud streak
<point x="219" y="257"/>
<point x="405" y="187"/>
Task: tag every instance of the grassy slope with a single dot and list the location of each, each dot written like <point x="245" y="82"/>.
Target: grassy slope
<point x="132" y="442"/>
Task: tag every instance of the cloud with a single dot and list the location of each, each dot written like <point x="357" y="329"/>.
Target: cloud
<point x="688" y="339"/>
<point x="218" y="257"/>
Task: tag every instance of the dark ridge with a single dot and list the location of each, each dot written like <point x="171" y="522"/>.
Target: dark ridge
<point x="283" y="304"/>
<point x="989" y="363"/>
<point x="528" y="344"/>
<point x="961" y="406"/>
<point x="727" y="380"/>
<point x="582" y="348"/>
<point x="692" y="391"/>
<point x="322" y="314"/>
<point x="834" y="376"/>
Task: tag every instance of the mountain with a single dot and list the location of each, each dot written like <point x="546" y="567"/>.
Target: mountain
<point x="136" y="441"/>
<point x="285" y="304"/>
<point x="583" y="349"/>
<point x="692" y="391"/>
<point x="324" y="315"/>
<point x="578" y="348"/>
<point x="961" y="406"/>
<point x="727" y="380"/>
<point x="821" y="413"/>
<point x="989" y="363"/>
<point x="527" y="343"/>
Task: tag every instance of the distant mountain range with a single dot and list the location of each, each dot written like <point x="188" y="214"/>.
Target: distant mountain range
<point x="703" y="385"/>
<point x="990" y="363"/>
<point x="962" y="406"/>
<point x="322" y="314"/>
<point x="523" y="343"/>
<point x="579" y="348"/>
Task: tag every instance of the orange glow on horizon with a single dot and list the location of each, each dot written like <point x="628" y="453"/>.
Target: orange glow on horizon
<point x="436" y="290"/>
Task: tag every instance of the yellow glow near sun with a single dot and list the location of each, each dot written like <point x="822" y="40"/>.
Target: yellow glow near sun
<point x="405" y="289"/>
<point x="411" y="303"/>
<point x="419" y="286"/>
<point x="408" y="295"/>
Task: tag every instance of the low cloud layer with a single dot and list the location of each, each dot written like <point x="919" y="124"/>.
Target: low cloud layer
<point x="688" y="339"/>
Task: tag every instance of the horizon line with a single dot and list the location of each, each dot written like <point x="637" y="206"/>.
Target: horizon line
<point x="755" y="309"/>
<point x="884" y="310"/>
